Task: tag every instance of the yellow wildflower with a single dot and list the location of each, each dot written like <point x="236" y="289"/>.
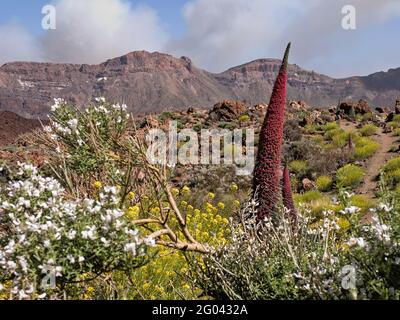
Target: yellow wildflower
<point x="225" y="221"/>
<point x="189" y="207"/>
<point x="185" y="190"/>
<point x="186" y="286"/>
<point x="236" y="203"/>
<point x="131" y="195"/>
<point x="197" y="212"/>
<point x="146" y="286"/>
<point x="211" y="195"/>
<point x="343" y="223"/>
<point x="183" y="270"/>
<point x="205" y="234"/>
<point x="221" y="205"/>
<point x="97" y="185"/>
<point x="155" y="210"/>
<point x="184" y="203"/>
<point x="209" y="206"/>
<point x="175" y="192"/>
<point x="234" y="187"/>
<point x="133" y="212"/>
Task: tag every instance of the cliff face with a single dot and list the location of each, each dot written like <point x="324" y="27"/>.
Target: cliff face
<point x="154" y="82"/>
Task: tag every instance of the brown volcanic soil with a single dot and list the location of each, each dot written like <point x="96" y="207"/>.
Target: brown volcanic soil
<point x="12" y="126"/>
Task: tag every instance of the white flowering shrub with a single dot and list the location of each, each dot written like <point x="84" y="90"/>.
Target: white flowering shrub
<point x="88" y="145"/>
<point x="309" y="260"/>
<point x="48" y="241"/>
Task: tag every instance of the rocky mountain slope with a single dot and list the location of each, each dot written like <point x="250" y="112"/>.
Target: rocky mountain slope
<point x="155" y="82"/>
<point x="13" y="125"/>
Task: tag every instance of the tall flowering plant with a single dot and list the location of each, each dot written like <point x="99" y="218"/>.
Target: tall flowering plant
<point x="266" y="172"/>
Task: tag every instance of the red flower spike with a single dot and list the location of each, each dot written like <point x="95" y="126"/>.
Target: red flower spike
<point x="266" y="172"/>
<point x="287" y="196"/>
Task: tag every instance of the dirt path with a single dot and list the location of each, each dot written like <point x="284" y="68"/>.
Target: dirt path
<point x="376" y="162"/>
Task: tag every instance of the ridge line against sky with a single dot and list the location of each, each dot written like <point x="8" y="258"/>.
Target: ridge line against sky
<point x="215" y="34"/>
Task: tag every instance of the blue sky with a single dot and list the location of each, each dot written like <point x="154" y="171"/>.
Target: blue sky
<point x="215" y="34"/>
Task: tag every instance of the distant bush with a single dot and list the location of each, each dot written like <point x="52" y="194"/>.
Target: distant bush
<point x="396" y="132"/>
<point x="391" y="171"/>
<point x="324" y="183"/>
<point x="316" y="202"/>
<point x="299" y="167"/>
<point x="368" y="130"/>
<point x="330" y="126"/>
<point x="363" y="202"/>
<point x="367" y="117"/>
<point x="244" y="118"/>
<point x="329" y="135"/>
<point x="340" y="140"/>
<point x="350" y="175"/>
<point x="392" y="124"/>
<point x="308" y="196"/>
<point x="365" y="148"/>
<point x="226" y="125"/>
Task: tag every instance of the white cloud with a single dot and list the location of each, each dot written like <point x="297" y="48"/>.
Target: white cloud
<point x="17" y="44"/>
<point x="227" y="32"/>
<point x="224" y="33"/>
<point x="92" y="31"/>
<point x="89" y="31"/>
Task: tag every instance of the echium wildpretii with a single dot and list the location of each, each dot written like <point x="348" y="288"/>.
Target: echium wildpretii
<point x="266" y="173"/>
<point x="287" y="197"/>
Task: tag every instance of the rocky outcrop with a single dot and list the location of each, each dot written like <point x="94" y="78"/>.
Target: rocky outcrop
<point x="349" y="107"/>
<point x="227" y="110"/>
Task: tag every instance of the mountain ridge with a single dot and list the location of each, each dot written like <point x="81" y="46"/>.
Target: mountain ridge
<point x="155" y="82"/>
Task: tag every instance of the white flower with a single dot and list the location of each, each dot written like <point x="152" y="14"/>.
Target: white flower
<point x="73" y="123"/>
<point x="71" y="258"/>
<point x="105" y="242"/>
<point x="81" y="259"/>
<point x="100" y="99"/>
<point x="385" y="207"/>
<point x="350" y="210"/>
<point x="357" y="241"/>
<point x="57" y="104"/>
<point x="71" y="235"/>
<point x="22" y="295"/>
<point x="131" y="248"/>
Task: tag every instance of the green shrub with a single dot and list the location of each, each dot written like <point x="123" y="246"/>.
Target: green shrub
<point x="340" y="140"/>
<point x="396" y="132"/>
<point x="363" y="202"/>
<point x="329" y="135"/>
<point x="392" y="164"/>
<point x="367" y="117"/>
<point x="368" y="130"/>
<point x="226" y="125"/>
<point x="165" y="116"/>
<point x="392" y="124"/>
<point x="391" y="171"/>
<point x="396" y="118"/>
<point x="365" y="148"/>
<point x="330" y="126"/>
<point x="244" y="118"/>
<point x="299" y="167"/>
<point x="324" y="183"/>
<point x="308" y="196"/>
<point x="350" y="175"/>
